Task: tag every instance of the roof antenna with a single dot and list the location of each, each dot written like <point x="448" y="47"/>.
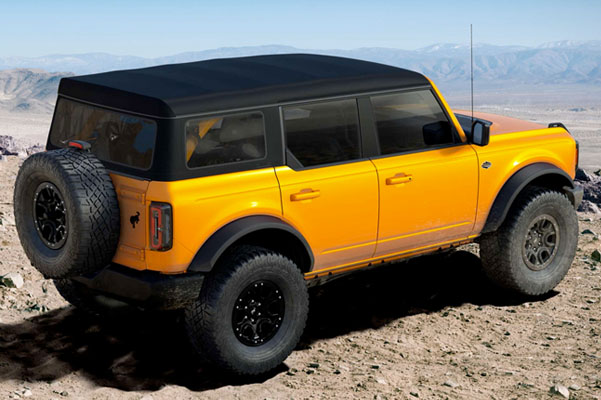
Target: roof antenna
<point x="472" y="71"/>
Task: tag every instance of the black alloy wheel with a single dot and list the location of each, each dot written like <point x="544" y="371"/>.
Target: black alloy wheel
<point x="541" y="242"/>
<point x="50" y="215"/>
<point x="258" y="313"/>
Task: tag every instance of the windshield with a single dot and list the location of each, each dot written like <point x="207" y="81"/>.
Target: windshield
<point x="115" y="137"/>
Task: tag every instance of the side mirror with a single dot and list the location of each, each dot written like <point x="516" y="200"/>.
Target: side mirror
<point x="480" y="133"/>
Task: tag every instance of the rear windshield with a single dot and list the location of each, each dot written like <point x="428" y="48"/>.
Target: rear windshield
<point x="115" y="137"/>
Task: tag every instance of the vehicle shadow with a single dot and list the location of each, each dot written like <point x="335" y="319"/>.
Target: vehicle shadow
<point x="146" y="352"/>
<point x="373" y="298"/>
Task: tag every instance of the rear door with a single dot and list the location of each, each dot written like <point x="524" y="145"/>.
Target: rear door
<point x="329" y="191"/>
<point x="428" y="179"/>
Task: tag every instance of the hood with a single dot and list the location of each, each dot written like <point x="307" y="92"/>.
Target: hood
<point x="502" y="124"/>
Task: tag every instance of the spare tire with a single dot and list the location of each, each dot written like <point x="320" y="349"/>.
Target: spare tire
<point x="66" y="213"/>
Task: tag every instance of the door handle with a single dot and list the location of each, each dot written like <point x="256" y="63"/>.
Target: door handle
<point x="398" y="179"/>
<point x="305" y="194"/>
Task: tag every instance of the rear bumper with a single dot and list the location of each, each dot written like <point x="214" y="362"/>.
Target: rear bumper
<point x="147" y="289"/>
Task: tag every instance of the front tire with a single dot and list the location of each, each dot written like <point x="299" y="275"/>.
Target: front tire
<point x="251" y="311"/>
<point x="534" y="248"/>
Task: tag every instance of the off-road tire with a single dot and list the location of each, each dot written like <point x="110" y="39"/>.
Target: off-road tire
<point x="209" y="320"/>
<point x="90" y="206"/>
<point x="502" y="251"/>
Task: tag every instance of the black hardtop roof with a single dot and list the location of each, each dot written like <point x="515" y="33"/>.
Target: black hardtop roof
<point x="230" y="83"/>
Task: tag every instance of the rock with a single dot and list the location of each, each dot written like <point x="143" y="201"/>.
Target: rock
<point x="36" y="148"/>
<point x="587" y="232"/>
<point x="582" y="175"/>
<point x="588" y="207"/>
<point x="451" y="384"/>
<point x="560" y="390"/>
<point x="313" y="365"/>
<point x="597" y="172"/>
<point x="381" y="381"/>
<point x="8" y="146"/>
<point x="27" y="393"/>
<point x="12" y="280"/>
<point x="414" y="394"/>
<point x="596" y="256"/>
<point x="574" y="387"/>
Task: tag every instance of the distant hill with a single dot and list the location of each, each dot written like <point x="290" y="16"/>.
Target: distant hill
<point x="28" y="90"/>
<point x="556" y="62"/>
<point x="22" y="87"/>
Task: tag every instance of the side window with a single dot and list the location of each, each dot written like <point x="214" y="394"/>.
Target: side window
<point x="410" y="121"/>
<point x="227" y="139"/>
<point x="323" y="133"/>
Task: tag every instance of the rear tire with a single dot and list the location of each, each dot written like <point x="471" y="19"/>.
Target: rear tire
<point x="534" y="248"/>
<point x="66" y="213"/>
<point x="251" y="311"/>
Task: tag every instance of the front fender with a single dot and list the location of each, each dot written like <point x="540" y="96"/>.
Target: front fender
<point x="514" y="185"/>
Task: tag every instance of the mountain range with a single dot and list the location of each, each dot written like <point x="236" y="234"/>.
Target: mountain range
<point x="564" y="62"/>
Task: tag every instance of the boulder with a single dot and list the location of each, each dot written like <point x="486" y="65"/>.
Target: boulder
<point x="12" y="280"/>
<point x="588" y="207"/>
<point x="582" y="175"/>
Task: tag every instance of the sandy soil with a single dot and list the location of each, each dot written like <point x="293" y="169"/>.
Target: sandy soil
<point x="432" y="328"/>
<point x="28" y="128"/>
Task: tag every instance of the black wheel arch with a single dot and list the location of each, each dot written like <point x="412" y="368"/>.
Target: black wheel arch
<point x="264" y="230"/>
<point x="541" y="174"/>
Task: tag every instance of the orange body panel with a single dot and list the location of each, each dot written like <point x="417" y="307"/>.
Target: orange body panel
<point x="352" y="214"/>
<point x="341" y="223"/>
<point x="503" y="124"/>
<point x="134" y="235"/>
<point x="436" y="203"/>
<point x="511" y="152"/>
<point x="200" y="207"/>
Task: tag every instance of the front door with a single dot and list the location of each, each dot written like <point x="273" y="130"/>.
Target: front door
<point x="428" y="179"/>
<point x="329" y="193"/>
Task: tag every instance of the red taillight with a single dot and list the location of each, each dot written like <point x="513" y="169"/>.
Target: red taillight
<point x="161" y="226"/>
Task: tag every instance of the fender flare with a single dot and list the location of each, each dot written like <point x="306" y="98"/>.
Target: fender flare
<point x="208" y="254"/>
<point x="514" y="185"/>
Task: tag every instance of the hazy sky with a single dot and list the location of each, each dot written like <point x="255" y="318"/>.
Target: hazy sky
<point x="153" y="28"/>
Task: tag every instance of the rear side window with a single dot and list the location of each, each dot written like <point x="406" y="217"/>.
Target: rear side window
<point x="224" y="140"/>
<point x="410" y="121"/>
<point x="323" y="133"/>
<point x="115" y="137"/>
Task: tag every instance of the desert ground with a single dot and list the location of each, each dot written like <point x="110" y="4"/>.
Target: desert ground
<point x="431" y="328"/>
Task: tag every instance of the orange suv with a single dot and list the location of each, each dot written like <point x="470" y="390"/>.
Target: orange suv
<point x="226" y="187"/>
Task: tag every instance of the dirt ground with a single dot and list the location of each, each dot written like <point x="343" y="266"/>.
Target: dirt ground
<point x="432" y="328"/>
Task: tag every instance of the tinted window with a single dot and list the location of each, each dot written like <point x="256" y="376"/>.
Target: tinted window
<point x="323" y="133"/>
<point x="410" y="121"/>
<point x="222" y="140"/>
<point x="115" y="137"/>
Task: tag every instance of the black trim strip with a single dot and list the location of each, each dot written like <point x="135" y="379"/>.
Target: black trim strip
<point x="208" y="255"/>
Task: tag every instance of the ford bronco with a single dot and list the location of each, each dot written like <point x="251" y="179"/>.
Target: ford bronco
<point x="226" y="187"/>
